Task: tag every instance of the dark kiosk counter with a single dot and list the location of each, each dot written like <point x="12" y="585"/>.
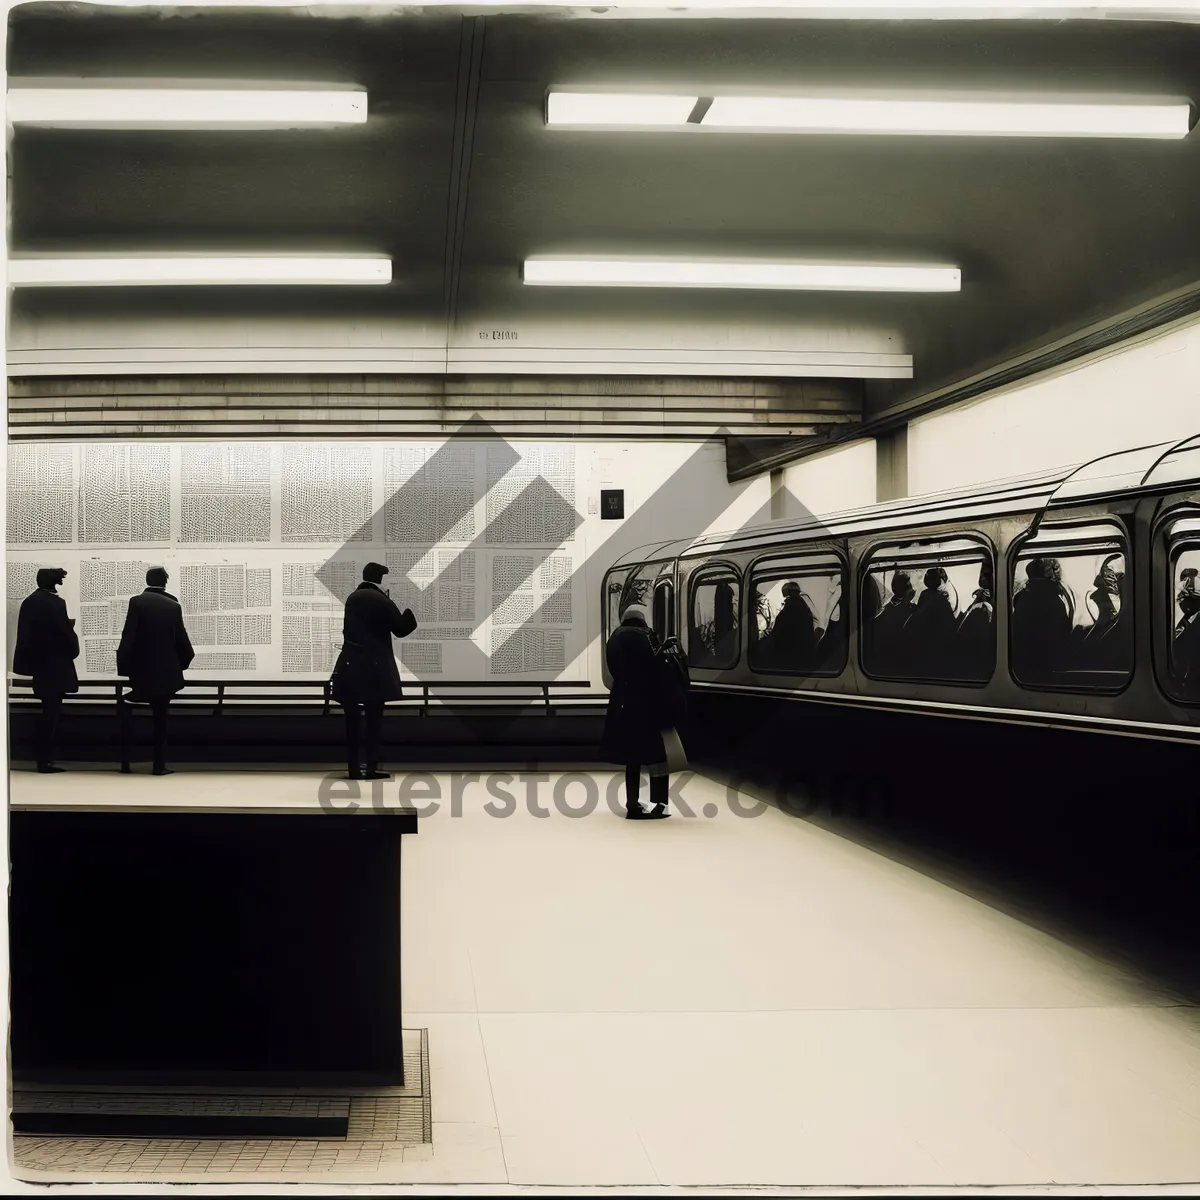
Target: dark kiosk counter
<point x="206" y="943"/>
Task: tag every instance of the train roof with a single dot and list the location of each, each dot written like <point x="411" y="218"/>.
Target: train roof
<point x="1146" y="467"/>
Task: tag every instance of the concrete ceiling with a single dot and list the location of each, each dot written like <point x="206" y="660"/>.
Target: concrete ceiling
<point x="456" y="176"/>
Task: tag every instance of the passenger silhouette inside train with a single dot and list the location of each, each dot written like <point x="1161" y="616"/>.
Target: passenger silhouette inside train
<point x="930" y="632"/>
<point x="791" y="643"/>
<point x="889" y="643"/>
<point x="831" y="645"/>
<point x="713" y="642"/>
<point x="724" y="623"/>
<point x="872" y="599"/>
<point x="1108" y="644"/>
<point x="1185" y="644"/>
<point x="976" y="633"/>
<point x="1042" y="620"/>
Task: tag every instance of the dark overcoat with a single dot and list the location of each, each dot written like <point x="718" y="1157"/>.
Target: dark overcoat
<point x="1040" y="632"/>
<point x="155" y="649"/>
<point x="47" y="645"/>
<point x="793" y="637"/>
<point x="638" y="705"/>
<point x="366" y="670"/>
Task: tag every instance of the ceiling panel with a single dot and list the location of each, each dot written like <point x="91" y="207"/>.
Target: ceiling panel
<point x="1049" y="234"/>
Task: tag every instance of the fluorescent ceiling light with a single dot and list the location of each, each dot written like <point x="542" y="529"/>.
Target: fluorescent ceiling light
<point x="147" y="104"/>
<point x="878" y="115"/>
<point x="967" y="117"/>
<point x="198" y="270"/>
<point x="589" y="108"/>
<point x="865" y="277"/>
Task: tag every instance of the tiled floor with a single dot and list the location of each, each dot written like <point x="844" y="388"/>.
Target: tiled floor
<point x="723" y="1001"/>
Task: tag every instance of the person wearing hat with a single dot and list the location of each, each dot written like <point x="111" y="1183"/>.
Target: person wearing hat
<point x="153" y="654"/>
<point x="638" y="711"/>
<point x="47" y="647"/>
<point x="365" y="676"/>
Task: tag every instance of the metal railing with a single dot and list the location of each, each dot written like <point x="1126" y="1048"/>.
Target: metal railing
<point x="247" y="692"/>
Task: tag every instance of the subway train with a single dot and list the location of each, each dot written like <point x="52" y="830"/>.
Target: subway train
<point x="1066" y="599"/>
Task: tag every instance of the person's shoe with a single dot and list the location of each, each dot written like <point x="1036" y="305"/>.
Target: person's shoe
<point x="657" y="813"/>
<point x="376" y="775"/>
<point x="162" y="771"/>
<point x="49" y="769"/>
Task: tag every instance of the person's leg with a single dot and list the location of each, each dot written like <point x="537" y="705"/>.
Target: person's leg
<point x="373" y="733"/>
<point x="158" y="709"/>
<point x="47" y="726"/>
<point x="633" y="785"/>
<point x="660" y="790"/>
<point x="353" y="740"/>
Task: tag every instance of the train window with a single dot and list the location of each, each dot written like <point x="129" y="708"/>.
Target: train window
<point x="927" y="612"/>
<point x="799" y="626"/>
<point x="713" y="618"/>
<point x="614" y="590"/>
<point x="1183" y="660"/>
<point x="1071" y="626"/>
<point x="664" y="607"/>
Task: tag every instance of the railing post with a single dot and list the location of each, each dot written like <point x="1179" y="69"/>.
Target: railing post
<point x="546" y="692"/>
<point x="220" y="700"/>
<point x="122" y="718"/>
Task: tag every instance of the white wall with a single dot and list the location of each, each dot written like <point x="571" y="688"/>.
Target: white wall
<point x="1146" y="391"/>
<point x="834" y="481"/>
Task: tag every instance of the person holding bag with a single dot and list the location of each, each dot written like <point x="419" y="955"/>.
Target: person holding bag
<point x="642" y="707"/>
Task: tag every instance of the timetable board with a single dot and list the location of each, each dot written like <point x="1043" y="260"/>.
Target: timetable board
<point x="263" y="541"/>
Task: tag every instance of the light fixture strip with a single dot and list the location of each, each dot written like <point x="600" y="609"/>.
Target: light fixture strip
<point x="949" y="118"/>
<point x="129" y="106"/>
<point x="217" y="271"/>
<point x="837" y="115"/>
<point x="804" y="276"/>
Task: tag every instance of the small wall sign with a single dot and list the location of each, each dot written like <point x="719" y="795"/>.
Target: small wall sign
<point x="612" y="504"/>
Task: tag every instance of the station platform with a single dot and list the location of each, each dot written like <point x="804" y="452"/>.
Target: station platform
<point x="736" y="998"/>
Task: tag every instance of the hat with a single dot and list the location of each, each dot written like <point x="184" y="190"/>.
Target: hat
<point x="635" y="612"/>
<point x="373" y="572"/>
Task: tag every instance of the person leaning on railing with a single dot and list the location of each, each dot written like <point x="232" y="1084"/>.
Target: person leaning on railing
<point x="365" y="676"/>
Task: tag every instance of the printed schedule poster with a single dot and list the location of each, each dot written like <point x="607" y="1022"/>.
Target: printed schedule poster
<point x="264" y="541"/>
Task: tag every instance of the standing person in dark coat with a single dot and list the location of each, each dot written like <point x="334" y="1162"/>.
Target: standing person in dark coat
<point x="638" y="711"/>
<point x="366" y="676"/>
<point x="155" y="651"/>
<point x="47" y="647"/>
